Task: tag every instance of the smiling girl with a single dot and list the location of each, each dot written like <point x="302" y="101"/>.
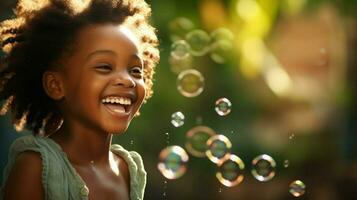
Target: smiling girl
<point x="75" y="73"/>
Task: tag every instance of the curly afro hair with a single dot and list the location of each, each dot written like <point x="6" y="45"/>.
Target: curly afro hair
<point x="41" y="33"/>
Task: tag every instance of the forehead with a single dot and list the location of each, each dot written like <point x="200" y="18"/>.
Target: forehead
<point x="117" y="38"/>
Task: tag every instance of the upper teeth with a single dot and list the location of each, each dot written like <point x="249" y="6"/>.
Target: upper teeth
<point x="120" y="100"/>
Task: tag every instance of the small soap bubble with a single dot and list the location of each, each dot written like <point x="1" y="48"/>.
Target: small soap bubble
<point x="172" y="162"/>
<point x="222" y="34"/>
<point x="178" y="65"/>
<point x="223" y="106"/>
<point x="180" y="49"/>
<point x="219" y="147"/>
<point x="167" y="138"/>
<point x="230" y="171"/>
<point x="220" y="190"/>
<point x="286" y="163"/>
<point x="196" y="140"/>
<point x="263" y="167"/>
<point x="199" y="42"/>
<point x="177" y="119"/>
<point x="292" y="136"/>
<point x="221" y="51"/>
<point x="297" y="188"/>
<point x="131" y="142"/>
<point x="190" y="83"/>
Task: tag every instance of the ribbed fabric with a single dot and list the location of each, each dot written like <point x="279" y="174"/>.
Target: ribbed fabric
<point x="59" y="178"/>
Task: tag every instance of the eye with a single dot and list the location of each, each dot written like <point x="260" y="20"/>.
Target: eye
<point x="137" y="71"/>
<point x="103" y="67"/>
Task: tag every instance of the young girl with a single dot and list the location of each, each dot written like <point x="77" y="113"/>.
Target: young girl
<point x="75" y="72"/>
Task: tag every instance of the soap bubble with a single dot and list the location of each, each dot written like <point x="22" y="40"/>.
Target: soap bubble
<point x="190" y="83"/>
<point x="263" y="167"/>
<point x="172" y="162"/>
<point x="230" y="171"/>
<point x="292" y="136"/>
<point x="297" y="188"/>
<point x="178" y="65"/>
<point x="196" y="140"/>
<point x="221" y="51"/>
<point x="219" y="146"/>
<point x="199" y="41"/>
<point x="223" y="106"/>
<point x="286" y="163"/>
<point x="222" y="34"/>
<point x="179" y="27"/>
<point x="180" y="49"/>
<point x="177" y="119"/>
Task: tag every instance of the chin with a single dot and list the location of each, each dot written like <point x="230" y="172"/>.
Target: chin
<point x="117" y="130"/>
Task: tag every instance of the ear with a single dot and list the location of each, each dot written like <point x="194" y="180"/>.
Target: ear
<point x="52" y="84"/>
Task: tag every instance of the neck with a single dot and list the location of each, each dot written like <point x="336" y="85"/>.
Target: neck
<point x="84" y="145"/>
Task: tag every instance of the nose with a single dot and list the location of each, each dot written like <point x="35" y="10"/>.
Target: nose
<point x="124" y="79"/>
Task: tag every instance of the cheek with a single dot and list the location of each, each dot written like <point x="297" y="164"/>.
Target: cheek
<point x="142" y="91"/>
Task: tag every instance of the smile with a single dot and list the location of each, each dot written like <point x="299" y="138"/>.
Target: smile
<point x="117" y="100"/>
<point x="117" y="105"/>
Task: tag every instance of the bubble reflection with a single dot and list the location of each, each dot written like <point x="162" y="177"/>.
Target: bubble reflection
<point x="172" y="162"/>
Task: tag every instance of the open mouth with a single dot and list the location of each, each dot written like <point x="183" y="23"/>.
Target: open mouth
<point x="117" y="105"/>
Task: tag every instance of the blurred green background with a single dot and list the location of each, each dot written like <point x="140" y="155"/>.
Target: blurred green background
<point x="289" y="71"/>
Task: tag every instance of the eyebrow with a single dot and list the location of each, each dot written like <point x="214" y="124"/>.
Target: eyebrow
<point x="100" y="52"/>
<point x="109" y="52"/>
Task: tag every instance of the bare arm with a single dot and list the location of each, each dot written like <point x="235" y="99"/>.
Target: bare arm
<point x="25" y="178"/>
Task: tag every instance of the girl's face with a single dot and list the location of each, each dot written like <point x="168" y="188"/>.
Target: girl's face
<point x="103" y="79"/>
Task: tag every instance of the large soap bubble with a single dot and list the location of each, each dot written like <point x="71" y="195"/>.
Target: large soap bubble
<point x="172" y="162"/>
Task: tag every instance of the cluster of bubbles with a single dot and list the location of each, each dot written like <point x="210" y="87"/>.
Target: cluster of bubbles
<point x="203" y="141"/>
<point x="189" y="42"/>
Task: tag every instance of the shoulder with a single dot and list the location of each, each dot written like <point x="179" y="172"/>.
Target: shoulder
<point x="136" y="170"/>
<point x="25" y="178"/>
<point x="132" y="158"/>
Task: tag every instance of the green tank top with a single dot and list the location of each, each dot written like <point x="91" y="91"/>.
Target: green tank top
<point x="59" y="178"/>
